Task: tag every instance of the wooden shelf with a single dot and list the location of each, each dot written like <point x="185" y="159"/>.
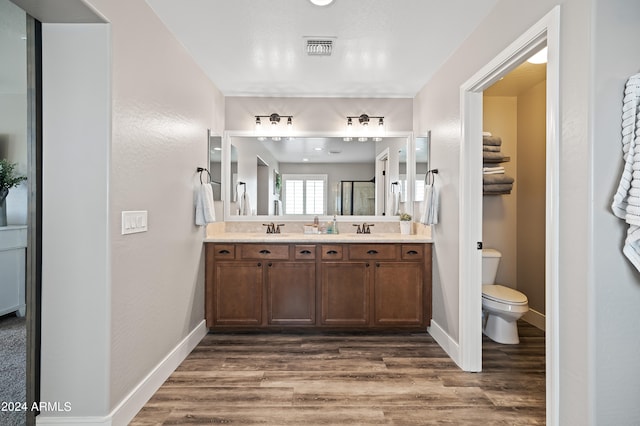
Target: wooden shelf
<point x="496" y="161"/>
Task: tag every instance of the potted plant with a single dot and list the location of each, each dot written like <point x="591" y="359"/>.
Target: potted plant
<point x="8" y="179"/>
<point x="405" y="223"/>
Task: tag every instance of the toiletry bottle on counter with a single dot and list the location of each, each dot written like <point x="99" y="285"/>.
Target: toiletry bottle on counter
<point x="334" y="225"/>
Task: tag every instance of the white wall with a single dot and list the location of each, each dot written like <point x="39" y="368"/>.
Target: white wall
<point x="614" y="285"/>
<point x="76" y="268"/>
<point x="318" y="114"/>
<point x="126" y="113"/>
<point x="599" y="293"/>
<point x="162" y="106"/>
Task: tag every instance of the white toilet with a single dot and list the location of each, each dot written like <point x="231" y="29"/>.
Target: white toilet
<point x="501" y="306"/>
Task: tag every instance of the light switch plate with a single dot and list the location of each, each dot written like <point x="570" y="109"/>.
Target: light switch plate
<point x="134" y="221"/>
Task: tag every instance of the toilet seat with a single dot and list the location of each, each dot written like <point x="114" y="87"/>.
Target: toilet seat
<point x="502" y="294"/>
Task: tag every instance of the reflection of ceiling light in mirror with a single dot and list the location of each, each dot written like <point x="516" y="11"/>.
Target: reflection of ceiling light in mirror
<point x="276" y="138"/>
<point x="363" y="139"/>
<point x="317" y="148"/>
<point x="305" y="159"/>
<point x="347" y="139"/>
<point x="540" y="57"/>
<point x="377" y="139"/>
<point x="217" y="149"/>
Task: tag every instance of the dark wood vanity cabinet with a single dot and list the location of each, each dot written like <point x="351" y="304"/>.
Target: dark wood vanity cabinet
<point x="338" y="286"/>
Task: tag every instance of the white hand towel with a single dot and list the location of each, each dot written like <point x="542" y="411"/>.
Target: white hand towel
<point x="246" y="205"/>
<point x="205" y="212"/>
<point x="430" y="205"/>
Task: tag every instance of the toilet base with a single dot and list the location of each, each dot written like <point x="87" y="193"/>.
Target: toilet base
<point x="500" y="330"/>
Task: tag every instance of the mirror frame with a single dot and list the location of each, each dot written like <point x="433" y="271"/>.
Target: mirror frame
<point x="226" y="178"/>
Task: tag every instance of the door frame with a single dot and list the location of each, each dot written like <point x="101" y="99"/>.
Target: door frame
<point x="546" y="31"/>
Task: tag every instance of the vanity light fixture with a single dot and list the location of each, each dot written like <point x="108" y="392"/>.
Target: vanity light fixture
<point x="274" y="119"/>
<point x="364" y="119"/>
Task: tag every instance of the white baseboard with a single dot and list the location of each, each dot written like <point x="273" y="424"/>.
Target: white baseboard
<point x="135" y="400"/>
<point x="535" y="318"/>
<point x="445" y="341"/>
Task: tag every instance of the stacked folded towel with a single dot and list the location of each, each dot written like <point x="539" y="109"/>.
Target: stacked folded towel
<point x="494" y="180"/>
<point x="491" y="148"/>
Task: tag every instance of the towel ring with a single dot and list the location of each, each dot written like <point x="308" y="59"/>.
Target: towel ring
<point x="202" y="169"/>
<point x="430" y="174"/>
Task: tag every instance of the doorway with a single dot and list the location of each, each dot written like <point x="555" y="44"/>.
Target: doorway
<point x="546" y="31"/>
<point x="20" y="146"/>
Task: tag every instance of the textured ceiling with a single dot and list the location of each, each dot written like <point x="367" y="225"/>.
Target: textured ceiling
<point x="383" y="48"/>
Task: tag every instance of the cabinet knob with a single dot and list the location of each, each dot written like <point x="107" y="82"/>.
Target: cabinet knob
<point x="269" y="264"/>
<point x="372" y="252"/>
<point x="332" y="252"/>
<point x="412" y="252"/>
<point x="265" y="251"/>
<point x="259" y="264"/>
<point x="224" y="252"/>
<point x="366" y="264"/>
<point x="305" y="251"/>
<point x="377" y="265"/>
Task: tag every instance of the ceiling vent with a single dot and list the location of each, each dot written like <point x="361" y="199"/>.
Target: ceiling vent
<point x="317" y="47"/>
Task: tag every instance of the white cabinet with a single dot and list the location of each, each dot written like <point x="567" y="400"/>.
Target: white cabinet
<point x="13" y="250"/>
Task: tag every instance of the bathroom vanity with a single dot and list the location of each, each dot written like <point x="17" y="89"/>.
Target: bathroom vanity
<point x="322" y="282"/>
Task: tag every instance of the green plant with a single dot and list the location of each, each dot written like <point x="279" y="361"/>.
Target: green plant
<point x="405" y="217"/>
<point x="8" y="176"/>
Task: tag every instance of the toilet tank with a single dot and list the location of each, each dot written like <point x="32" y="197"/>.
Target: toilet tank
<point x="490" y="262"/>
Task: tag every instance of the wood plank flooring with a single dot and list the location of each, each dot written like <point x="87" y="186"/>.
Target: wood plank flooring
<point x="350" y="379"/>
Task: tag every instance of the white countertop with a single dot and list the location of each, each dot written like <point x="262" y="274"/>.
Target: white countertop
<point x="249" y="237"/>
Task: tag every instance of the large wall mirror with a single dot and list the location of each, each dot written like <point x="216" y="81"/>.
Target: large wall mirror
<point x="215" y="165"/>
<point x="304" y="176"/>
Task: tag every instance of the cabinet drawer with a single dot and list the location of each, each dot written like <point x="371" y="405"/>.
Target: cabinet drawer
<point x="305" y="252"/>
<point x="264" y="251"/>
<point x="224" y="251"/>
<point x="331" y="252"/>
<point x="412" y="252"/>
<point x="372" y="251"/>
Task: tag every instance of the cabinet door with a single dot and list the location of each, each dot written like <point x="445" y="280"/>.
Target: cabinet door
<point x="398" y="293"/>
<point x="237" y="293"/>
<point x="345" y="293"/>
<point x="291" y="293"/>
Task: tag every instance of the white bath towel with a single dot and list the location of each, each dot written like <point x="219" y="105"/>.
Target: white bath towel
<point x="493" y="170"/>
<point x="430" y="204"/>
<point x="205" y="212"/>
<point x="626" y="200"/>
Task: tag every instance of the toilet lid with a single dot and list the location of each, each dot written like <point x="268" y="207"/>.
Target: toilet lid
<point x="500" y="293"/>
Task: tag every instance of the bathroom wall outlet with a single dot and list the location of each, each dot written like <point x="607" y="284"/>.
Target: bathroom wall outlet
<point x="134" y="221"/>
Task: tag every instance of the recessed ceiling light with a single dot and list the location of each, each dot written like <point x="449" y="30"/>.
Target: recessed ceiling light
<point x="305" y="159"/>
<point x="321" y="2"/>
<point x="317" y="148"/>
<point x="540" y="57"/>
